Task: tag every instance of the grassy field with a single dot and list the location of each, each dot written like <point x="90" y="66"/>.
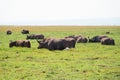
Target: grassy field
<point x="88" y="61"/>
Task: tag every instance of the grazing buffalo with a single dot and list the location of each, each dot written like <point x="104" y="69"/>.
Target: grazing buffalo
<point x="56" y="44"/>
<point x="35" y="36"/>
<point x="20" y="43"/>
<point x="25" y="31"/>
<point x="8" y="32"/>
<point x="107" y="41"/>
<point x="97" y="38"/>
<point x="81" y="40"/>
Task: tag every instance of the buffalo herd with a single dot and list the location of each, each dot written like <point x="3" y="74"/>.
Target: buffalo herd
<point x="58" y="43"/>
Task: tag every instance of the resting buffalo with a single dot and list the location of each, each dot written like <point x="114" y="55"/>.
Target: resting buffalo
<point x="9" y="32"/>
<point x="35" y="36"/>
<point x="97" y="38"/>
<point x="81" y="40"/>
<point x="56" y="44"/>
<point x="25" y="31"/>
<point x="52" y="44"/>
<point x="107" y="41"/>
<point x="20" y="43"/>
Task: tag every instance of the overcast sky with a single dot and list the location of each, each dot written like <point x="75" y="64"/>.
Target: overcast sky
<point x="38" y="11"/>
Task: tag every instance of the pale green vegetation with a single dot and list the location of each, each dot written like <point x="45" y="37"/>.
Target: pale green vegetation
<point x="88" y="61"/>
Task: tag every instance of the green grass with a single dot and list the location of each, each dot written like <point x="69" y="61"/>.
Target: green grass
<point x="90" y="61"/>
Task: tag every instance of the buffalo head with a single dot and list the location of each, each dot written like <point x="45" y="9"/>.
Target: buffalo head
<point x="12" y="43"/>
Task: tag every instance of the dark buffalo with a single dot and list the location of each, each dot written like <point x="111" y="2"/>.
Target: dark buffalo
<point x="56" y="44"/>
<point x="35" y="36"/>
<point x="81" y="40"/>
<point x="107" y="41"/>
<point x="20" y="43"/>
<point x="8" y="32"/>
<point x="97" y="38"/>
<point x="25" y="31"/>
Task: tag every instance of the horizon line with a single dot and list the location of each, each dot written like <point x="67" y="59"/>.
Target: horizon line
<point x="54" y="25"/>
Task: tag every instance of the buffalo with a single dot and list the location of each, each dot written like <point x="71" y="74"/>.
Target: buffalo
<point x="35" y="36"/>
<point x="107" y="41"/>
<point x="81" y="40"/>
<point x="20" y="43"/>
<point x="57" y="44"/>
<point x="97" y="38"/>
<point x="52" y="44"/>
<point x="25" y="31"/>
<point x="8" y="32"/>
